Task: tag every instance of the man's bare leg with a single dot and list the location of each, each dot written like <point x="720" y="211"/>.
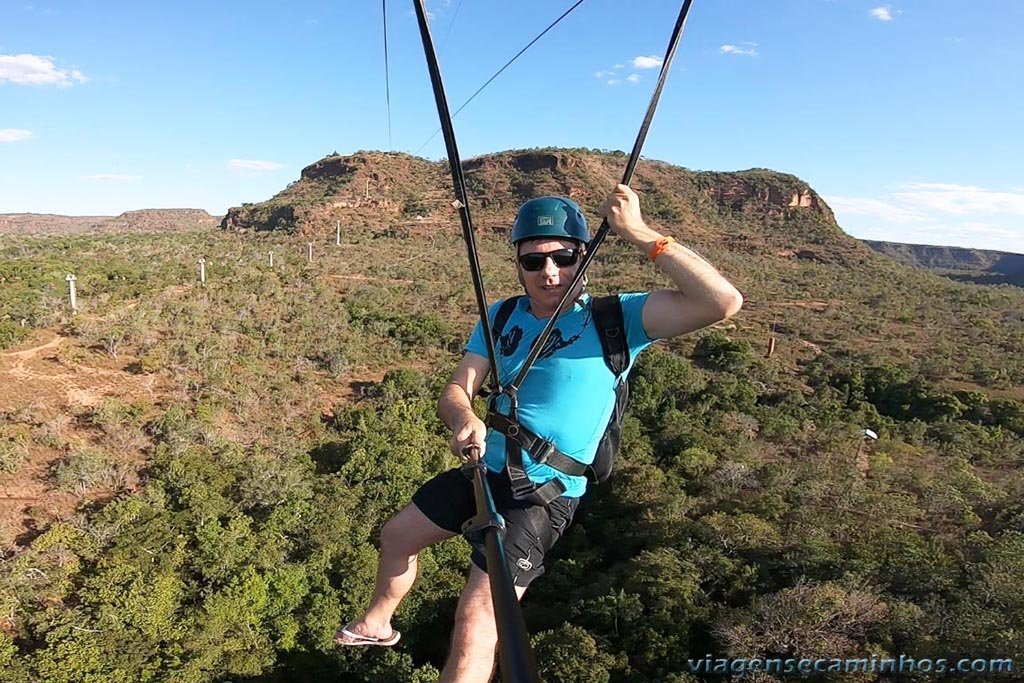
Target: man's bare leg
<point x="401" y="539"/>
<point x="475" y="637"/>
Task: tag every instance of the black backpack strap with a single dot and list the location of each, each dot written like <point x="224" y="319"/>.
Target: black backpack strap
<point x="503" y="314"/>
<point x="522" y="487"/>
<point x="611" y="328"/>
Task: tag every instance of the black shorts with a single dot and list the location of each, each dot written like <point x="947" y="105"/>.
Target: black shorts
<point x="530" y="530"/>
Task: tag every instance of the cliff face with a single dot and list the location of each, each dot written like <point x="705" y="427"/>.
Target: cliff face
<point x="754" y="210"/>
<point x="366" y="189"/>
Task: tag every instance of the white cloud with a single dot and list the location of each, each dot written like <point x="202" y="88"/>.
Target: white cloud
<point x="916" y="201"/>
<point x="15" y="134"/>
<point x="938" y="213"/>
<point x="960" y="199"/>
<point x="430" y="15"/>
<point x="746" y="48"/>
<point x="112" y="178"/>
<point x="253" y="165"/>
<point x="966" y="235"/>
<point x="875" y="208"/>
<point x="883" y="13"/>
<point x="651" y="62"/>
<point x="610" y="78"/>
<point x="26" y="69"/>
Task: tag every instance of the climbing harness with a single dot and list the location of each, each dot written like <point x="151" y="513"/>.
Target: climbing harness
<point x="611" y="329"/>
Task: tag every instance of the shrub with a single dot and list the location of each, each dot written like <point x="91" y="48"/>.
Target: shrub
<point x="569" y="654"/>
<point x="51" y="432"/>
<point x="13" y="454"/>
<point x="11" y="334"/>
<point x="718" y="352"/>
<point x="90" y="468"/>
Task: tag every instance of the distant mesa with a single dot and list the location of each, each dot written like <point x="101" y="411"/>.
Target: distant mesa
<point x="162" y="220"/>
<point x="145" y="220"/>
<point x="980" y="266"/>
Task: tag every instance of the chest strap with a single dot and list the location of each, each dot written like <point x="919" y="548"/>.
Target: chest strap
<point x="542" y="451"/>
<point x="518" y="438"/>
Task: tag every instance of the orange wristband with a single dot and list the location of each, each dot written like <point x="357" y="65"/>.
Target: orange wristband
<point x="660" y="246"/>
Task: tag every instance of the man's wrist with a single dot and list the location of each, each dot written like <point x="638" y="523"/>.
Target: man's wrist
<point x="659" y="247"/>
<point x="641" y="236"/>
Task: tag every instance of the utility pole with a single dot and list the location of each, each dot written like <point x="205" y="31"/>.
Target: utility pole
<point x="71" y="293"/>
<point x="772" y="339"/>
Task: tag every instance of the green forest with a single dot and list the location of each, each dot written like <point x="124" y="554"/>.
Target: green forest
<point x="224" y="524"/>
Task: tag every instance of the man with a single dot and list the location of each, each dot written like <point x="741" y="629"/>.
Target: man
<point x="567" y="396"/>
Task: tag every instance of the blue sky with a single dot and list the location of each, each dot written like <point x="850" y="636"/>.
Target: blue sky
<point x="906" y="117"/>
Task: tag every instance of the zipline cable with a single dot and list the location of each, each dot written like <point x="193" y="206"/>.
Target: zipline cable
<point x="451" y="23"/>
<point x="498" y="73"/>
<point x="515" y="655"/>
<point x="538" y="346"/>
<point x="387" y="70"/>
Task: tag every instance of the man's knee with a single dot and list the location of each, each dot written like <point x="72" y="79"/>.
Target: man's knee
<point x="394" y="538"/>
<point x="409" y="532"/>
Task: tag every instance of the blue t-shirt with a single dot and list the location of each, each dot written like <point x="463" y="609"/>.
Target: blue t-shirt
<point x="568" y="395"/>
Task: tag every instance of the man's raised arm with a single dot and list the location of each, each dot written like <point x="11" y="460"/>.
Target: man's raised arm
<point x="703" y="296"/>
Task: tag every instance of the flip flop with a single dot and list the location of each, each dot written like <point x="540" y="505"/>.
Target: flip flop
<point x="357" y="639"/>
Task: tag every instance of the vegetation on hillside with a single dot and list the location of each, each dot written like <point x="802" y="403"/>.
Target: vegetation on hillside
<point x="748" y="516"/>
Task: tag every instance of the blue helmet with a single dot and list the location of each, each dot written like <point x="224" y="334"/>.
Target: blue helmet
<point x="554" y="217"/>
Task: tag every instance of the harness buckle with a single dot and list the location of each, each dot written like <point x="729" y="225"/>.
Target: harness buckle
<point x="522" y="488"/>
<point x="544" y="452"/>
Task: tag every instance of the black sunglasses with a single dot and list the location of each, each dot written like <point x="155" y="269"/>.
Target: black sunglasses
<point x="535" y="260"/>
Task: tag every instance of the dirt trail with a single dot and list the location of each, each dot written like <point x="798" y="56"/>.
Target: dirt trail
<point x="54" y="379"/>
<point x="40" y="375"/>
<point x="35" y="350"/>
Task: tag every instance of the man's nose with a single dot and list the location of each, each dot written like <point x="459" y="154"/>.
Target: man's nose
<point x="550" y="269"/>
